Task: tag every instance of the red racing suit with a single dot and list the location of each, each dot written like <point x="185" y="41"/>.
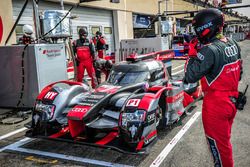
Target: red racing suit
<point x="219" y="67"/>
<point x="85" y="55"/>
<point x="25" y="40"/>
<point x="100" y="46"/>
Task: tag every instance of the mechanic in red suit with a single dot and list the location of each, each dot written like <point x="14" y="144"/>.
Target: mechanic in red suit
<point x="27" y="35"/>
<point x="85" y="57"/>
<point x="102" y="66"/>
<point x="100" y="44"/>
<point x="218" y="64"/>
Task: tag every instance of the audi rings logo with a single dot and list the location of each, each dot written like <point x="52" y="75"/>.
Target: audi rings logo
<point x="200" y="56"/>
<point x="231" y="51"/>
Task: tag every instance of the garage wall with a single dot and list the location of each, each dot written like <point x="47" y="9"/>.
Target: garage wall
<point x="85" y="17"/>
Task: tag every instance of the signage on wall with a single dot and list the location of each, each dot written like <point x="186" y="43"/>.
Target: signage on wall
<point x="1" y="29"/>
<point x="141" y="21"/>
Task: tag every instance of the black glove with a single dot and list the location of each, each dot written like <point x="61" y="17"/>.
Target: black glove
<point x="241" y="101"/>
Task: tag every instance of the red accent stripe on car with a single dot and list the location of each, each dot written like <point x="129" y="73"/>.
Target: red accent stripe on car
<point x="76" y="127"/>
<point x="187" y="99"/>
<point x="44" y="92"/>
<point x="175" y="98"/>
<point x="60" y="133"/>
<point x="140" y="145"/>
<point x="107" y="138"/>
<point x="152" y="134"/>
<point x="145" y="102"/>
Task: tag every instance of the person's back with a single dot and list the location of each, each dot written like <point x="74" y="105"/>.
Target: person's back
<point x="225" y="73"/>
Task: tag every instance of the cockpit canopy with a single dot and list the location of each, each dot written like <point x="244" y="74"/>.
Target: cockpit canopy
<point x="126" y="73"/>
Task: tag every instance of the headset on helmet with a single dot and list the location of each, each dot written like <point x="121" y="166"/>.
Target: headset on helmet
<point x="82" y="32"/>
<point x="27" y="29"/>
<point x="207" y="24"/>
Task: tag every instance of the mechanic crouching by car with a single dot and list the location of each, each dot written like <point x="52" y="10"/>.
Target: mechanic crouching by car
<point x="218" y="64"/>
<point x="85" y="56"/>
<point x="102" y="66"/>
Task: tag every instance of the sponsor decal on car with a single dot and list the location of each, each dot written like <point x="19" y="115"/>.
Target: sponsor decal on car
<point x="93" y="96"/>
<point x="50" y="95"/>
<point x="173" y="99"/>
<point x="151" y="117"/>
<point x="150" y="137"/>
<point x="79" y="109"/>
<point x="107" y="88"/>
<point x="133" y="103"/>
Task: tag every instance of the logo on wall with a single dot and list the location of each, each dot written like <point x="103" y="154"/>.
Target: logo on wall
<point x="1" y="29"/>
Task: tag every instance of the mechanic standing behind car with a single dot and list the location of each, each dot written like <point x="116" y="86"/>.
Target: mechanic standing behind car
<point x="218" y="64"/>
<point x="27" y="35"/>
<point x="85" y="56"/>
<point x="100" y="44"/>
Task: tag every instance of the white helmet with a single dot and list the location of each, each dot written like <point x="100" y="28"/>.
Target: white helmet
<point x="27" y="29"/>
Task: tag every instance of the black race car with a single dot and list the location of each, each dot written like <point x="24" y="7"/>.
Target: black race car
<point x="123" y="113"/>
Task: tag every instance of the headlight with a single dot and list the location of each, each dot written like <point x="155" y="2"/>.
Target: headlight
<point x="135" y="117"/>
<point x="48" y="109"/>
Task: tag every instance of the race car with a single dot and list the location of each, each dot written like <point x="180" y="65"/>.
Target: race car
<point x="123" y="113"/>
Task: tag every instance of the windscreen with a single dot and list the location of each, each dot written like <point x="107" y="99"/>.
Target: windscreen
<point x="125" y="78"/>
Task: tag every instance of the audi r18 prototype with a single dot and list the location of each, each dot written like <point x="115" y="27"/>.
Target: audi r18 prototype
<point x="123" y="113"/>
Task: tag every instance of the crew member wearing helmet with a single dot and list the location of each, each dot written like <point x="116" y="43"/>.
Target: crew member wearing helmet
<point x="218" y="64"/>
<point x="27" y="35"/>
<point x="102" y="66"/>
<point x="85" y="56"/>
<point x="100" y="44"/>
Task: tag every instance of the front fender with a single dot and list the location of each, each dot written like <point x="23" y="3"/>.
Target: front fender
<point x="60" y="95"/>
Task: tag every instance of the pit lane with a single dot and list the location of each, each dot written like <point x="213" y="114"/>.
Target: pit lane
<point x="190" y="150"/>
